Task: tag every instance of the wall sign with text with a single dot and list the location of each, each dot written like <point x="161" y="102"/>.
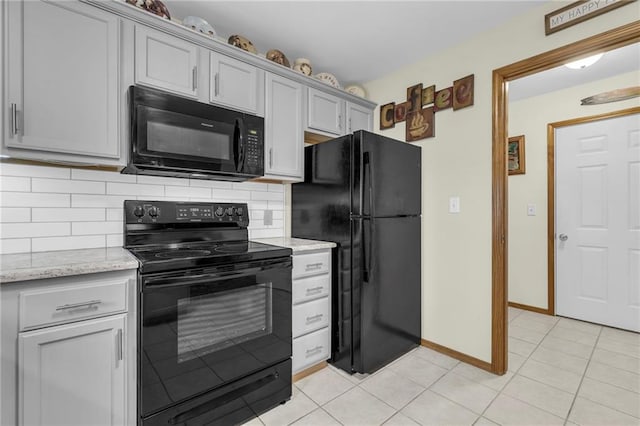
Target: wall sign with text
<point x="578" y="12"/>
<point x="421" y="104"/>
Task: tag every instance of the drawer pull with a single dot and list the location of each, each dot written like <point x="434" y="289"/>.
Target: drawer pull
<point x="313" y="351"/>
<point x="313" y="266"/>
<point x="314" y="290"/>
<point x="89" y="304"/>
<point x="314" y="318"/>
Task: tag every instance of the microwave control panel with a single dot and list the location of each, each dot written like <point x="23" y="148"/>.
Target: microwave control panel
<point x="254" y="156"/>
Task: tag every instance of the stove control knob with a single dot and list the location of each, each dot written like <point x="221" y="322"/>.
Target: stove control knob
<point x="219" y="212"/>
<point x="153" y="211"/>
<point x="239" y="211"/>
<point x="138" y="211"/>
<point x="229" y="211"/>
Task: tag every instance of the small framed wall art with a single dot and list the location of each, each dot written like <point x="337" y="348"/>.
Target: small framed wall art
<point x="401" y="111"/>
<point x="515" y="154"/>
<point x="387" y="116"/>
<point x="463" y="92"/>
<point x="414" y="97"/>
<point x="443" y="99"/>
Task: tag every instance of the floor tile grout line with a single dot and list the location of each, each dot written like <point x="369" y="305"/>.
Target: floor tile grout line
<point x="611" y="384"/>
<point x="515" y="373"/>
<point x="582" y="378"/>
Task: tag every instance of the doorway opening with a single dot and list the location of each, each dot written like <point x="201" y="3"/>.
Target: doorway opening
<point x="612" y="39"/>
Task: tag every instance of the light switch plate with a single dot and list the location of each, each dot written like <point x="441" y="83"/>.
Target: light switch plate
<point x="454" y="204"/>
<point x="531" y="209"/>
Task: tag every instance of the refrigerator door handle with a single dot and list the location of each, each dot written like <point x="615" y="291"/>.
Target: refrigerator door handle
<point x="368" y="170"/>
<point x="368" y="272"/>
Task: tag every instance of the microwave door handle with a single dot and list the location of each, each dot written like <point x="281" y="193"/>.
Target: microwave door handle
<point x="239" y="143"/>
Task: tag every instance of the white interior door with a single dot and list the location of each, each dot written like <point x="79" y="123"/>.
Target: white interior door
<point x="598" y="221"/>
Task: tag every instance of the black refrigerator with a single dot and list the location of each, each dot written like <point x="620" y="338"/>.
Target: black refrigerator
<point x="363" y="192"/>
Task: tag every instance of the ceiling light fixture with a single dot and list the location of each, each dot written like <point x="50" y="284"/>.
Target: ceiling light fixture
<point x="585" y="62"/>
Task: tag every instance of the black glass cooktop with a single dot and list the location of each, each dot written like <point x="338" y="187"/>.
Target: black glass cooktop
<point x="196" y="254"/>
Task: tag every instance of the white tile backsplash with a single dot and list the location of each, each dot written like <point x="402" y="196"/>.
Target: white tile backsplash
<point x="46" y="208"/>
<point x="15" y="214"/>
<point x="15" y="184"/>
<point x="66" y="186"/>
<point x="29" y="199"/>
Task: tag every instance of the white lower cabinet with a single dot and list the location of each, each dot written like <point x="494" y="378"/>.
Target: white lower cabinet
<point x="69" y="350"/>
<point x="311" y="308"/>
<point x="73" y="374"/>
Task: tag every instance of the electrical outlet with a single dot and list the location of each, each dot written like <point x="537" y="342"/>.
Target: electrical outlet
<point x="268" y="218"/>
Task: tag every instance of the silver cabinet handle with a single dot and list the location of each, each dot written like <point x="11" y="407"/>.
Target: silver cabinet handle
<point x="14" y="119"/>
<point x="216" y="84"/>
<point x="88" y="304"/>
<point x="270" y="157"/>
<point x="195" y="78"/>
<point x="314" y="290"/>
<point x="350" y="128"/>
<point x="313" y="351"/>
<point x="314" y="318"/>
<point x="563" y="237"/>
<point x="120" y="343"/>
<point x="340" y="121"/>
<point x="313" y="266"/>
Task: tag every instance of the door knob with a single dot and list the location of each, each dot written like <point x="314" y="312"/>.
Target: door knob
<point x="563" y="237"/>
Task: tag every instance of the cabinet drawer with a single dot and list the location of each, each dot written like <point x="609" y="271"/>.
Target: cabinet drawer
<point x="305" y="289"/>
<point x="310" y="264"/>
<point x="310" y="349"/>
<point x="310" y="316"/>
<point x="39" y="308"/>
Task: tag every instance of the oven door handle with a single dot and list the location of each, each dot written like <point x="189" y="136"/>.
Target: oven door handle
<point x="182" y="280"/>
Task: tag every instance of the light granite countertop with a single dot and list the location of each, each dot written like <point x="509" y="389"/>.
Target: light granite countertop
<point x="51" y="264"/>
<point x="296" y="244"/>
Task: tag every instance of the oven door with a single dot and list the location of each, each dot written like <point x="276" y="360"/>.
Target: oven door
<point x="205" y="328"/>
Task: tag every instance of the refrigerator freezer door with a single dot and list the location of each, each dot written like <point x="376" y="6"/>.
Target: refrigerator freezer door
<point x="386" y="177"/>
<point x="386" y="290"/>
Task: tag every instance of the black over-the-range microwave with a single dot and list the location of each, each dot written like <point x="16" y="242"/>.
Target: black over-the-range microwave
<point x="175" y="136"/>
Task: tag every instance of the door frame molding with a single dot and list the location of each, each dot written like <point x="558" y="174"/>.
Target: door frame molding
<point x="602" y="42"/>
<point x="551" y="190"/>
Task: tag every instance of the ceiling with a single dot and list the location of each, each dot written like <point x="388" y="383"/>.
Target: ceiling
<point x="357" y="41"/>
<point x="363" y="40"/>
<point x="614" y="62"/>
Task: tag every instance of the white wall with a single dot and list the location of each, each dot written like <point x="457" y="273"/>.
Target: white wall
<point x="456" y="251"/>
<point x="528" y="234"/>
<point x="59" y="208"/>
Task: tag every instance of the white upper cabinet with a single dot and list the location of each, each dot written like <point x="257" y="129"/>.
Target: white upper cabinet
<point x="236" y="84"/>
<point x="166" y="62"/>
<point x="325" y="113"/>
<point x="73" y="374"/>
<point x="358" y="118"/>
<point x="62" y="67"/>
<point x="283" y="129"/>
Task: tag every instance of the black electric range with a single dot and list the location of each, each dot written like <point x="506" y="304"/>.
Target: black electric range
<point x="214" y="328"/>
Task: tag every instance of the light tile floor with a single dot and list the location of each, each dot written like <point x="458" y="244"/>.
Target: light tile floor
<point x="561" y="371"/>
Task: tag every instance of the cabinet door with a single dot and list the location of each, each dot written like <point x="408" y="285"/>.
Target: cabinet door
<point x="284" y="136"/>
<point x="325" y="112"/>
<point x="235" y="84"/>
<point x="166" y="62"/>
<point x="73" y="374"/>
<point x="62" y="71"/>
<point x="358" y="118"/>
